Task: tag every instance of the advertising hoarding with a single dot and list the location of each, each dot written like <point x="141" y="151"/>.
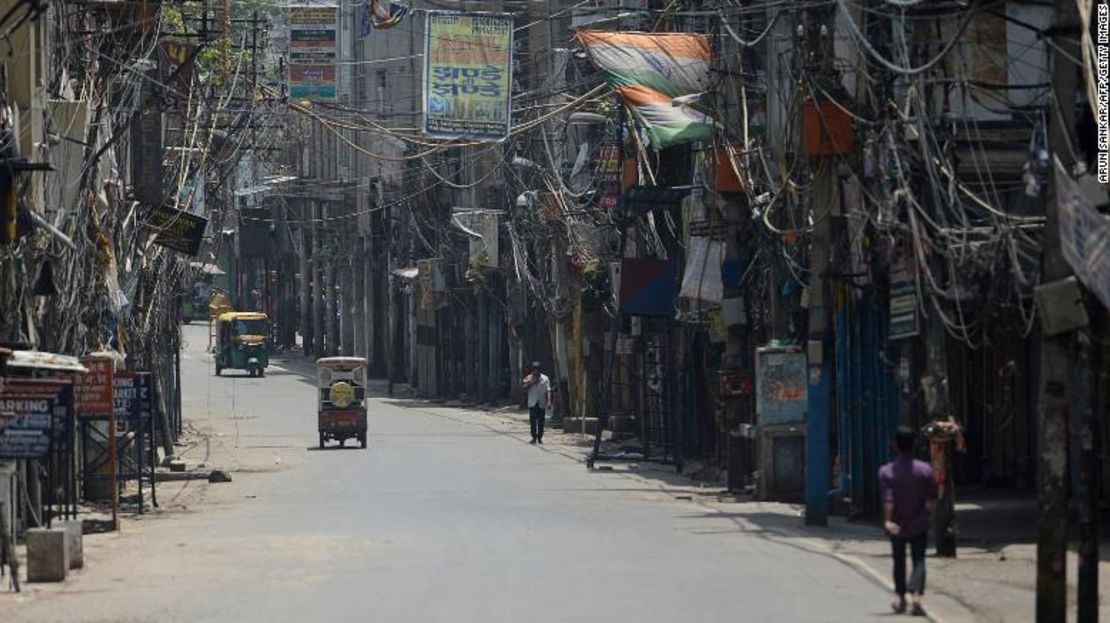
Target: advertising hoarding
<point x="468" y="75"/>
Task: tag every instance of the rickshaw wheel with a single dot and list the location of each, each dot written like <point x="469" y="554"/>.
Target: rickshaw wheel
<point x="321" y="441"/>
<point x="362" y="440"/>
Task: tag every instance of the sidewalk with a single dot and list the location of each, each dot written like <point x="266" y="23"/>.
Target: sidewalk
<point x="993" y="579"/>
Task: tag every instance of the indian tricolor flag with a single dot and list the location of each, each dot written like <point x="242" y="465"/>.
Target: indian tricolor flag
<point x="649" y="70"/>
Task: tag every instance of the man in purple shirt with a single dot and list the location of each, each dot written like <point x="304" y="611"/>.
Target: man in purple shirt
<point x="909" y="494"/>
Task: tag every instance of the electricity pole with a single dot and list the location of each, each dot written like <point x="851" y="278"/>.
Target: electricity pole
<point x="818" y="347"/>
<point x="1057" y="359"/>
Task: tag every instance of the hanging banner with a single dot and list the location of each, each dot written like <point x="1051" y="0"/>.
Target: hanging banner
<point x="312" y="52"/>
<point x="468" y="75"/>
<point x="904" y="320"/>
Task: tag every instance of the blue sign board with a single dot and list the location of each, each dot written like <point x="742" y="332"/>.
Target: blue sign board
<point x="26" y="426"/>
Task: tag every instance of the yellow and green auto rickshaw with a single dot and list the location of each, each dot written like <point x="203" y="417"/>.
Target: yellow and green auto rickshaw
<point x="241" y="342"/>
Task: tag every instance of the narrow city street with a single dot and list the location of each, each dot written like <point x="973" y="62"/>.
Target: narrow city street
<point x="442" y="519"/>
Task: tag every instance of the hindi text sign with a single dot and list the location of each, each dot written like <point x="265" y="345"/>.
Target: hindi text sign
<point x="93" y="392"/>
<point x="312" y="52"/>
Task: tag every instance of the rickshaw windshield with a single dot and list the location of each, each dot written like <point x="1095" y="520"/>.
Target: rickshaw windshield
<point x="326" y="376"/>
<point x="249" y="327"/>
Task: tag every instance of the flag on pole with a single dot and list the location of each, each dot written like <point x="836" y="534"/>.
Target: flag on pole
<point x="382" y="15"/>
<point x="651" y="70"/>
<point x="664" y="123"/>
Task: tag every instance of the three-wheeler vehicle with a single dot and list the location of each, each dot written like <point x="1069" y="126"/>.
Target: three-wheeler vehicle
<point x="341" y="394"/>
<point x="242" y="342"/>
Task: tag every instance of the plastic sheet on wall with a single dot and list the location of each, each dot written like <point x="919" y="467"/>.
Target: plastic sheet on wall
<point x="702" y="278"/>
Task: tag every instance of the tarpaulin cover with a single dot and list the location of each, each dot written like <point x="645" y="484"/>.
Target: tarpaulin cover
<point x="649" y="70"/>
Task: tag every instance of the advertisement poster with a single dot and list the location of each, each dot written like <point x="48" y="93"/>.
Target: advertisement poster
<point x="781" y="394"/>
<point x="468" y="75"/>
<point x="312" y="52"/>
<point x="609" y="175"/>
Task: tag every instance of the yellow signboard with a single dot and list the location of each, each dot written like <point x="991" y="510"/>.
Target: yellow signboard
<point x="468" y="75"/>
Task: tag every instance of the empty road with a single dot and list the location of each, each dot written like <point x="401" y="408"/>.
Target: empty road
<point x="443" y="519"/>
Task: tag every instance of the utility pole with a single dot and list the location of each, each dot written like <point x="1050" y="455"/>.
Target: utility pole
<point x="1057" y="353"/>
<point x="817" y="50"/>
<point x="318" y="253"/>
<point x="818" y="347"/>
<point x="1086" y="414"/>
<point x="307" y="243"/>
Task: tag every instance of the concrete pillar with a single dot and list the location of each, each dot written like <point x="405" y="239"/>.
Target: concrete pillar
<point x="331" y="342"/>
<point x="358" y="276"/>
<point x="47" y="554"/>
<point x="306" y="279"/>
<point x="318" y="252"/>
<point x="349" y="295"/>
<point x="75" y="535"/>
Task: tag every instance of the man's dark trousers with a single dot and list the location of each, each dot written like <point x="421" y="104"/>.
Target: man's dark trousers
<point x="917" y="553"/>
<point x="535" y="419"/>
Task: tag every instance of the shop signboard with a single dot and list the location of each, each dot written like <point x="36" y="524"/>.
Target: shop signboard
<point x="131" y="394"/>
<point x="313" y="52"/>
<point x="177" y="229"/>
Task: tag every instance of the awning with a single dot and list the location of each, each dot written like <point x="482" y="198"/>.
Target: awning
<point x="411" y="272"/>
<point x="267" y="185"/>
<point x="643" y="199"/>
<point x="206" y="269"/>
<point x="35" y="360"/>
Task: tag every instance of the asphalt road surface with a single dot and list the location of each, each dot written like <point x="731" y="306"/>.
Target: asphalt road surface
<point x="442" y="519"/>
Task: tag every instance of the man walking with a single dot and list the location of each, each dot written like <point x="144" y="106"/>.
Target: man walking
<point x="539" y="396"/>
<point x="909" y="494"/>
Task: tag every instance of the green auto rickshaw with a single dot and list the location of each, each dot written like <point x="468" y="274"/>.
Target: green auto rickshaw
<point x="241" y="342"/>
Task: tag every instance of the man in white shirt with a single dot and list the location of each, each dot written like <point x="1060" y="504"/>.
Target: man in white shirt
<point x="539" y="396"/>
